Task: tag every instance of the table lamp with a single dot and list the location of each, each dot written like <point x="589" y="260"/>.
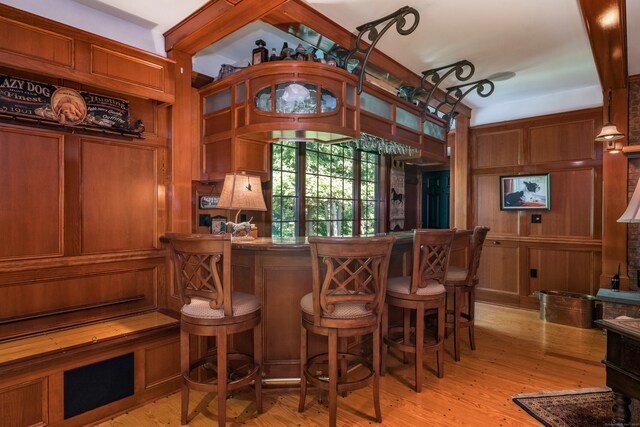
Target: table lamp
<point x="241" y="191"/>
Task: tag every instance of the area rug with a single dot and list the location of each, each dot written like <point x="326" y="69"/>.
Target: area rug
<point x="569" y="408"/>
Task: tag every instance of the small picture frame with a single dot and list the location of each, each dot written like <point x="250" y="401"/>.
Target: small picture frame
<point x="218" y="224"/>
<point x="209" y="202"/>
<point x="524" y="192"/>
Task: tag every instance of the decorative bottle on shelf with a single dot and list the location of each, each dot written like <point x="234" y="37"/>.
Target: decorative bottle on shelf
<point x="301" y="53"/>
<point x="285" y="53"/>
<point x="260" y="54"/>
<point x="274" y="56"/>
<point x="615" y="280"/>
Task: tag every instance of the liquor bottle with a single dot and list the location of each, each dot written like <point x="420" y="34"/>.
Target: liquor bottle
<point x="285" y="53"/>
<point x="274" y="56"/>
<point x="301" y="53"/>
<point x="260" y="54"/>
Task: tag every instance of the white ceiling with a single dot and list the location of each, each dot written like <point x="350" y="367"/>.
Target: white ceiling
<point x="543" y="42"/>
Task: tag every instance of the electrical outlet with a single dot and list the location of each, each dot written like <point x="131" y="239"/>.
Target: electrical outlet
<point x="533" y="273"/>
<point x="536" y="219"/>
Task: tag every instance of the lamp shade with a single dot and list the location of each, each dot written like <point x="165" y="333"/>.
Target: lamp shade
<point x="241" y="191"/>
<point x="609" y="132"/>
<point x="632" y="214"/>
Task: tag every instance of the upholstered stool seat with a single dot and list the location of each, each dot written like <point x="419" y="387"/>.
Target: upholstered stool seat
<point x="416" y="294"/>
<point x="349" y="284"/>
<point x="460" y="284"/>
<point x="202" y="272"/>
<point x="242" y="304"/>
<point x="456" y="274"/>
<point x="402" y="286"/>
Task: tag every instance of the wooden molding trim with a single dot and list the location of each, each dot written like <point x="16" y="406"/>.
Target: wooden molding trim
<point x="607" y="28"/>
<point x="214" y="21"/>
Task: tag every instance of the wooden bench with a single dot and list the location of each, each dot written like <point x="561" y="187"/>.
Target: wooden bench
<point x="82" y="374"/>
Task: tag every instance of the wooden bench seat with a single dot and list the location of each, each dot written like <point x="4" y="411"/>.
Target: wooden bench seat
<point x="38" y="371"/>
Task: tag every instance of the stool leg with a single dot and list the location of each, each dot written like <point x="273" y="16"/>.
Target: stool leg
<point x="472" y="337"/>
<point x="419" y="345"/>
<point x="184" y="368"/>
<point x="456" y="323"/>
<point x="385" y="336"/>
<point x="257" y="359"/>
<point x="221" y="344"/>
<point x="406" y="331"/>
<point x="344" y="368"/>
<point x="376" y="374"/>
<point x="303" y="361"/>
<point x="440" y="338"/>
<point x="333" y="376"/>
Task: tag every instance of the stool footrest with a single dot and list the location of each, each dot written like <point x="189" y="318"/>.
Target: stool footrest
<point x="249" y="372"/>
<point x="343" y="386"/>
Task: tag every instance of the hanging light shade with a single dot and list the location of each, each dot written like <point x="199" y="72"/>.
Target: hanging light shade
<point x="609" y="131"/>
<point x="632" y="214"/>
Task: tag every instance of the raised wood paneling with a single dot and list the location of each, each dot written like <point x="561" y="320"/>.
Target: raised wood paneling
<point x="561" y="145"/>
<point x="252" y="157"/>
<point x="25" y="296"/>
<point x="562" y="142"/>
<point x="162" y="363"/>
<point x="26" y="40"/>
<point x="499" y="267"/>
<point x="24" y="405"/>
<point x="31" y="193"/>
<point x="573" y="195"/>
<point x="127" y="68"/>
<point x="562" y="270"/>
<point x="37" y="44"/>
<point x="119" y="196"/>
<point x="496" y="149"/>
<point x="486" y="189"/>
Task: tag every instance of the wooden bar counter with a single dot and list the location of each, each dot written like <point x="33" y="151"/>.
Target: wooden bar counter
<point x="278" y="272"/>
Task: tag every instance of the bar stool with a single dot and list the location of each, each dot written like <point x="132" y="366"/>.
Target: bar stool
<point x="202" y="273"/>
<point x="349" y="283"/>
<point x="461" y="285"/>
<point x="423" y="290"/>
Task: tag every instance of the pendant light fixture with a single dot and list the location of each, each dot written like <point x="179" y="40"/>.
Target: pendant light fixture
<point x="609" y="131"/>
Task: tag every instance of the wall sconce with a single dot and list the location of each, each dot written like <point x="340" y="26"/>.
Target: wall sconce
<point x="609" y="132"/>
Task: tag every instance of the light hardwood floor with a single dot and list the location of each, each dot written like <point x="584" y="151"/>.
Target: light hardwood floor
<point x="516" y="353"/>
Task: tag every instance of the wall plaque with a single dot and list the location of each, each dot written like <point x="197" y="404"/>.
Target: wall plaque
<point x="49" y="103"/>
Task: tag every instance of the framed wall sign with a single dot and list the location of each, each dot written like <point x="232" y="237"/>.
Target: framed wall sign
<point x="519" y="192"/>
<point x="209" y="202"/>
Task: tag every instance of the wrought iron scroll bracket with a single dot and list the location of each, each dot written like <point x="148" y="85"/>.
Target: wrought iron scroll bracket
<point x="455" y="94"/>
<point x="374" y="35"/>
<point x="463" y="71"/>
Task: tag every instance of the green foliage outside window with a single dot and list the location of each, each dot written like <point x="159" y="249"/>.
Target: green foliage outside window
<point x="329" y="187"/>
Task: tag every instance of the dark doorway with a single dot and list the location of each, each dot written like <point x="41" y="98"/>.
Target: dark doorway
<point x="435" y="199"/>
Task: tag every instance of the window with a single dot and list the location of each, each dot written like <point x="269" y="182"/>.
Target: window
<point x="338" y="190"/>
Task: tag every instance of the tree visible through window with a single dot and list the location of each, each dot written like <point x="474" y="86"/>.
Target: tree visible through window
<point x="336" y="181"/>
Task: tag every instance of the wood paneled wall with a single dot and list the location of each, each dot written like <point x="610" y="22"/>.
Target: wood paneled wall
<point x="564" y="251"/>
<point x="80" y="221"/>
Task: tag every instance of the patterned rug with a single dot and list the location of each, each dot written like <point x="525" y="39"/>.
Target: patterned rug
<point x="569" y="408"/>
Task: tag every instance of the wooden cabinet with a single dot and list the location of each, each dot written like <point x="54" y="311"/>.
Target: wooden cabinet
<point x="244" y="112"/>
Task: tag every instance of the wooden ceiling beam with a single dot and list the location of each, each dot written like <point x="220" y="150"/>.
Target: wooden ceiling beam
<point x="607" y="28"/>
<point x="214" y="21"/>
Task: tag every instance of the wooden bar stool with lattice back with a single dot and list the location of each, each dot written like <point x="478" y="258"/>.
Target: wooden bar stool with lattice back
<point x="202" y="272"/>
<point x="460" y="285"/>
<point x="423" y="290"/>
<point x="349" y="283"/>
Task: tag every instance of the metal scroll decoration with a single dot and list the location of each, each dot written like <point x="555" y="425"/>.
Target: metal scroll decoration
<point x="374" y="35"/>
<point x="45" y="103"/>
<point x="455" y="94"/>
<point x="463" y="71"/>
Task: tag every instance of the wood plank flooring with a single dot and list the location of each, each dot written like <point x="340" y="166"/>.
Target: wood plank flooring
<point x="516" y="353"/>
